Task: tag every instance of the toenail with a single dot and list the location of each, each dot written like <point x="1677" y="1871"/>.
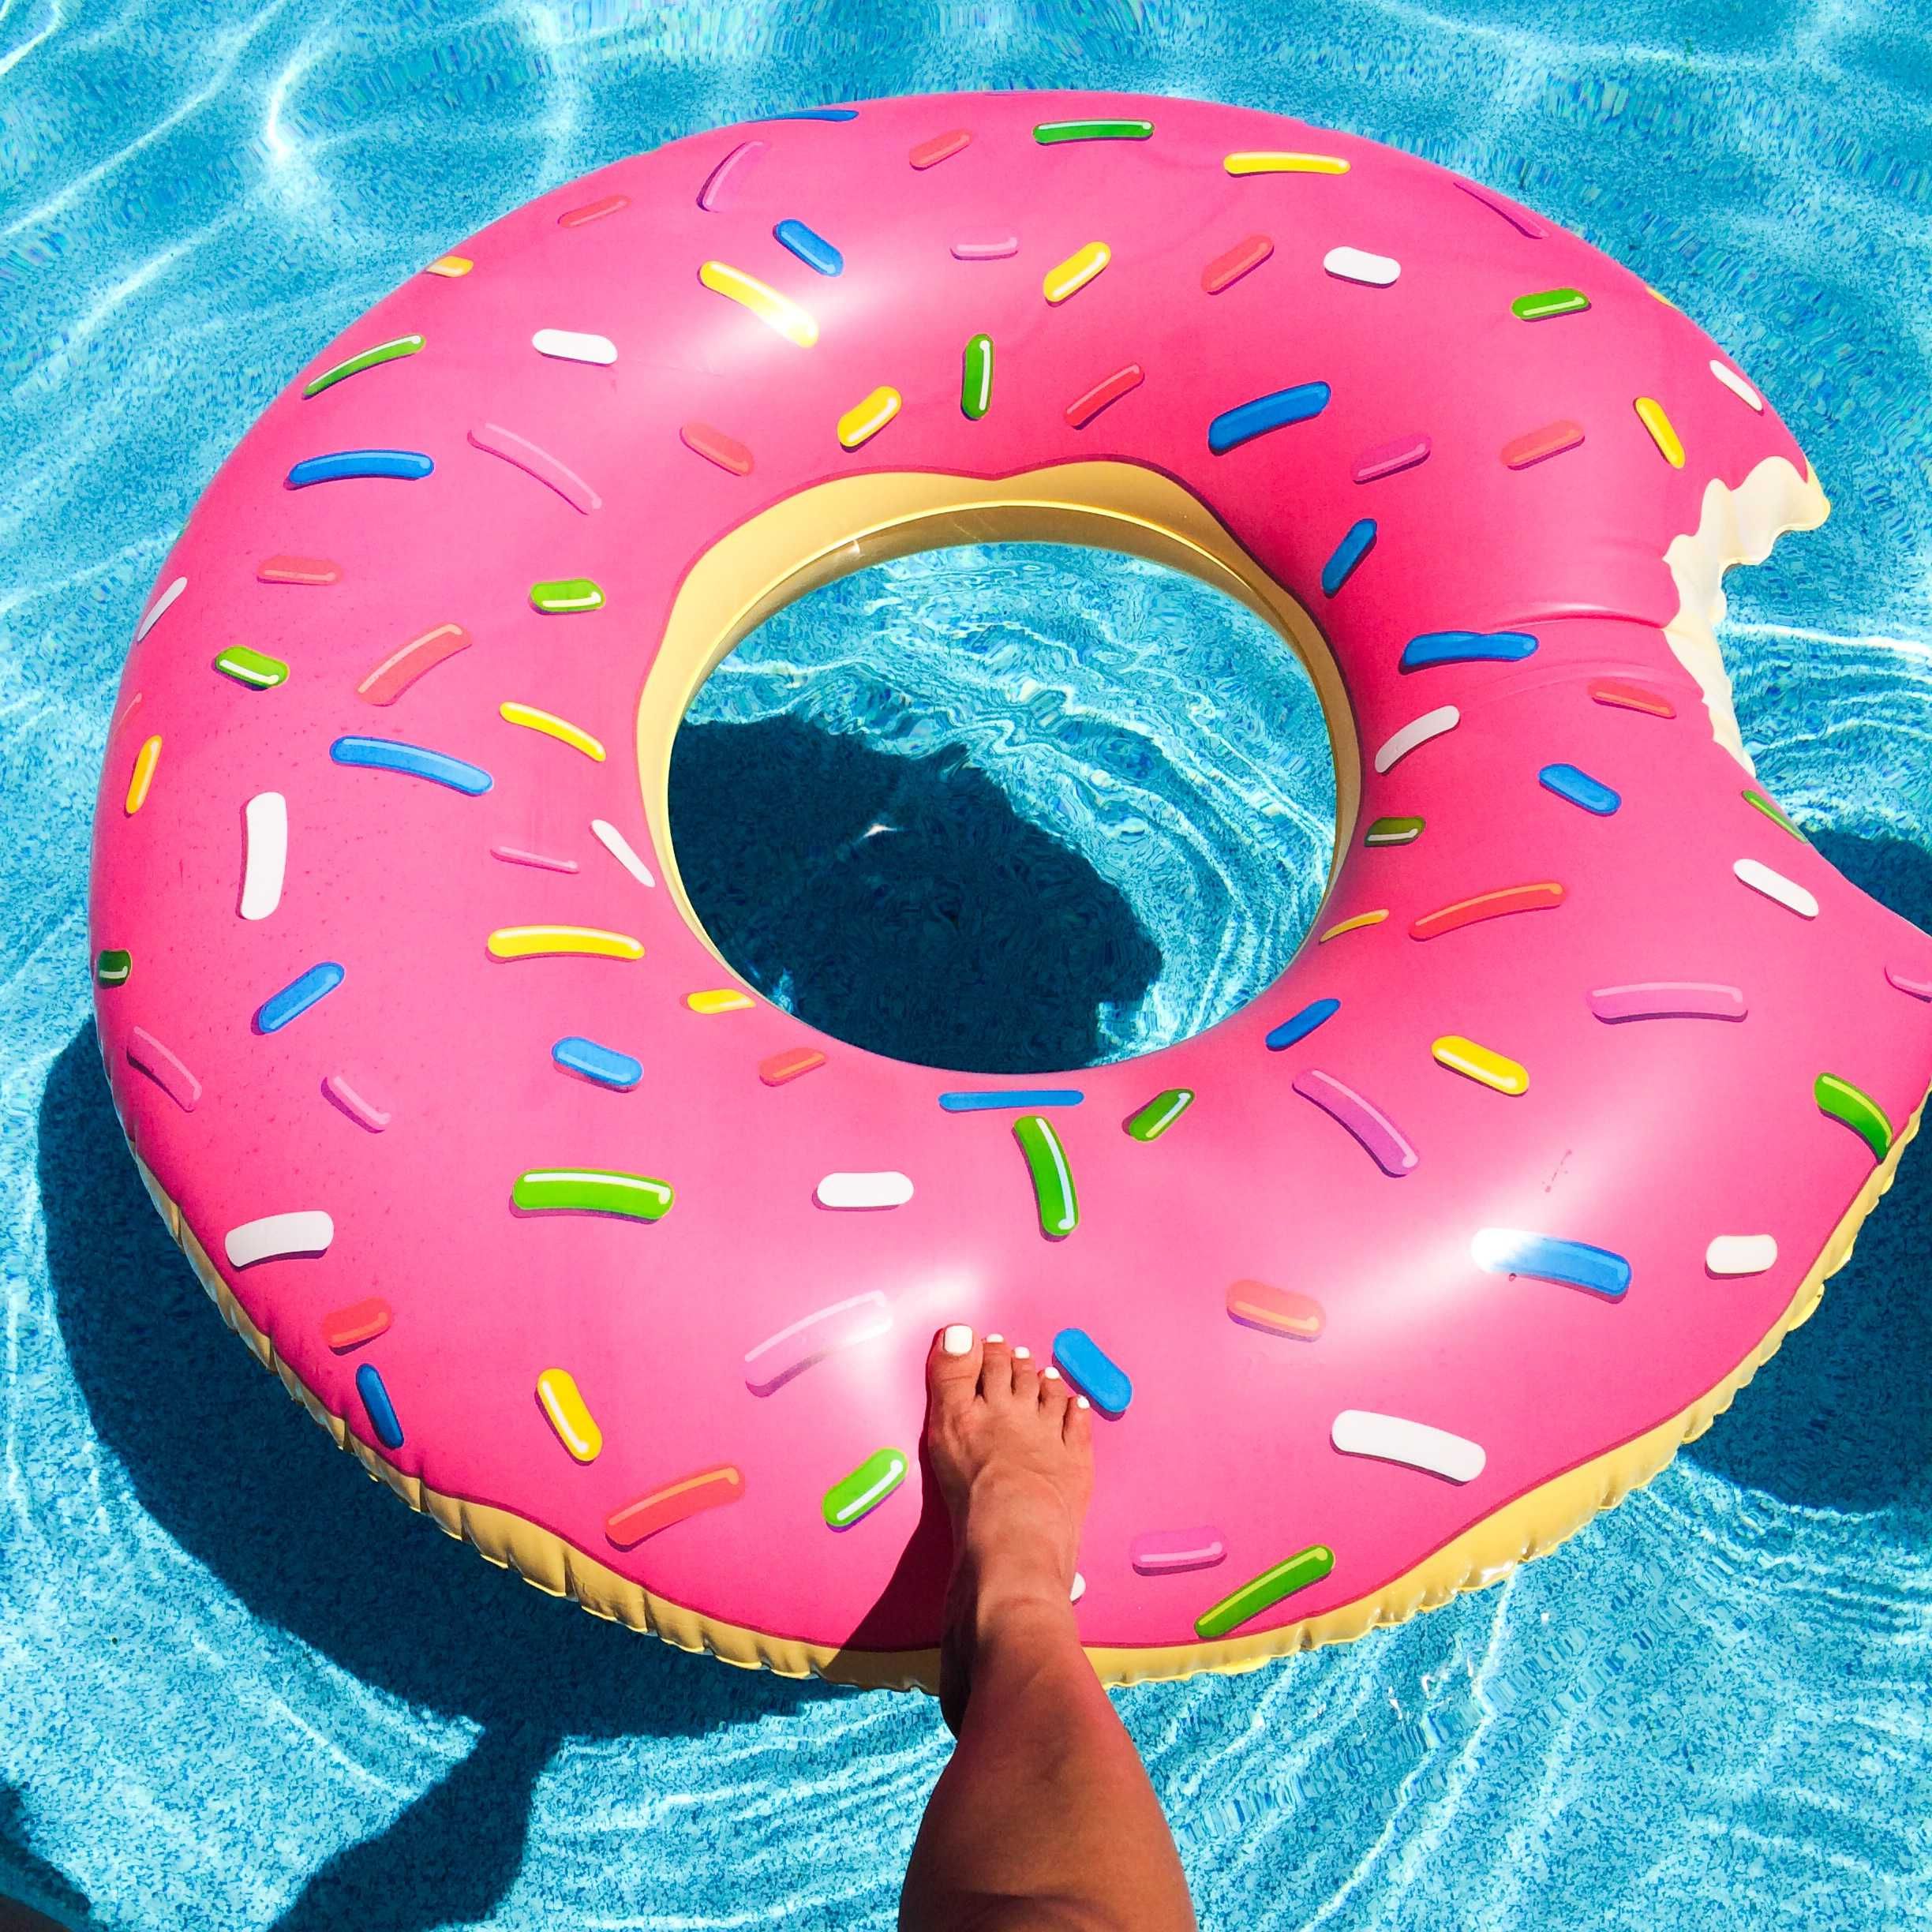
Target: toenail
<point x="1051" y="1373"/>
<point x="1084" y="1402"/>
<point x="996" y="1338"/>
<point x="1079" y="1589"/>
<point x="958" y="1340"/>
<point x="1023" y="1354"/>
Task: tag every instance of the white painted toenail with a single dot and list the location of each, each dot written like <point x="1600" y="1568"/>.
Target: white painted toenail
<point x="1079" y="1589"/>
<point x="1084" y="1402"/>
<point x="1023" y="1354"/>
<point x="958" y="1340"/>
<point x="996" y="1338"/>
<point x="1051" y="1373"/>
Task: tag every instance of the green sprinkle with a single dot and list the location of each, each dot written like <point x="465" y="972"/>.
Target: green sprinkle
<point x="1161" y="1113"/>
<point x="383" y="352"/>
<point x="1857" y="1108"/>
<point x="1393" y="832"/>
<point x="251" y="668"/>
<point x="977" y="378"/>
<point x="113" y="967"/>
<point x="1053" y="1180"/>
<point x="1050" y="133"/>
<point x="1267" y="1589"/>
<point x="1773" y="813"/>
<point x="559" y="596"/>
<point x="591" y="1190"/>
<point x="864" y="1489"/>
<point x="1539" y="308"/>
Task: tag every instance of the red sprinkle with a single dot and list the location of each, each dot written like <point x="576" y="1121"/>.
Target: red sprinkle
<point x="1628" y="697"/>
<point x="1386" y="459"/>
<point x="294" y="569"/>
<point x="940" y="147"/>
<point x="1279" y="1311"/>
<point x="1246" y="254"/>
<point x="1084" y="409"/>
<point x="789" y="1064"/>
<point x="1532" y="447"/>
<point x="714" y="446"/>
<point x="1538" y="898"/>
<point x="393" y="676"/>
<point x="673" y="1504"/>
<point x="346" y="1328"/>
<point x="592" y="210"/>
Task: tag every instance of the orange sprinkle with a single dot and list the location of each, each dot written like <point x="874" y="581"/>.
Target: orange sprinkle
<point x="674" y="1503"/>
<point x="451" y="265"/>
<point x="940" y="147"/>
<point x="1534" y="445"/>
<point x="789" y="1064"/>
<point x="714" y="446"/>
<point x="1353" y="925"/>
<point x="1538" y="898"/>
<point x="346" y="1328"/>
<point x="298" y="569"/>
<point x="1630" y="697"/>
<point x="1280" y="1310"/>
<point x="1084" y="409"/>
<point x="1245" y="255"/>
<point x="592" y="210"/>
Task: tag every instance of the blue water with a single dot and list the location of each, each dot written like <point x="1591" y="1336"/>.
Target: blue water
<point x="239" y="1688"/>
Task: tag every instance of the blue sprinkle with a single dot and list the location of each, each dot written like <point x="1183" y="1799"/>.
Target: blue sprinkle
<point x="1580" y="789"/>
<point x="1011" y="1097"/>
<point x="382" y="1413"/>
<point x="605" y="1064"/>
<point x="1349" y="551"/>
<point x="412" y="466"/>
<point x="1447" y="647"/>
<point x="1503" y="1251"/>
<point x="812" y="249"/>
<point x="391" y="755"/>
<point x="296" y="997"/>
<point x="817" y="113"/>
<point x="1303" y="1024"/>
<point x="1092" y="1371"/>
<point x="1236" y="426"/>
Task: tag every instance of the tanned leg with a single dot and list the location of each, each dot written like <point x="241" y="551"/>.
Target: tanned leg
<point x="1044" y="1820"/>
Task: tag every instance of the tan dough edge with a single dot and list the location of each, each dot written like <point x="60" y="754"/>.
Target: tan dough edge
<point x="1531" y="1526"/>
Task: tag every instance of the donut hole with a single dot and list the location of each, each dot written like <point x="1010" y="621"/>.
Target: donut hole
<point x="1007" y="807"/>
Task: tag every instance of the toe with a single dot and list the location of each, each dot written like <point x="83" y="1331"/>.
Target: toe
<point x="1026" y="1379"/>
<point x="952" y="1367"/>
<point x="1078" y="1424"/>
<point x="1054" y="1393"/>
<point x="996" y="1368"/>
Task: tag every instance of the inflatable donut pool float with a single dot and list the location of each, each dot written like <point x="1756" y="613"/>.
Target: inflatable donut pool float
<point x="1552" y="1129"/>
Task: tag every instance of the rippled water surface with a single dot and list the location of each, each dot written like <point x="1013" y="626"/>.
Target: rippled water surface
<point x="239" y="1688"/>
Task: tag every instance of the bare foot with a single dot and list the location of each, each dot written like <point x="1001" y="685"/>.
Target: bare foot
<point x="1011" y="1446"/>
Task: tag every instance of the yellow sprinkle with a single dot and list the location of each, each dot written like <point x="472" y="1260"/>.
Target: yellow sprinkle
<point x="867" y="419"/>
<point x="576" y="1427"/>
<point x="723" y="999"/>
<point x="1660" y="296"/>
<point x="1481" y="1063"/>
<point x="511" y="942"/>
<point x="1650" y="413"/>
<point x="553" y="727"/>
<point x="1272" y="163"/>
<point x="1072" y="274"/>
<point x="1348" y="925"/>
<point x="142" y="776"/>
<point x="775" y="311"/>
<point x="451" y="265"/>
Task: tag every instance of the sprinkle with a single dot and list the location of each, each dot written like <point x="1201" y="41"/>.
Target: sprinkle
<point x="1069" y="277"/>
<point x="346" y="1328"/>
<point x="1741" y="1254"/>
<point x="1355" y="924"/>
<point x="551" y="726"/>
<point x="451" y="265"/>
<point x="884" y="1189"/>
<point x="251" y="668"/>
<point x="603" y="1064"/>
<point x="718" y="1000"/>
<point x="1276" y="162"/>
<point x="1579" y="789"/>
<point x="1388" y="458"/>
<point x="1356" y="542"/>
<point x="715" y="447"/>
<point x="591" y="1190"/>
<point x="312" y="573"/>
<point x="592" y="210"/>
<point x="1384" y="1142"/>
<point x="391" y="755"/>
<point x="1297" y="1573"/>
<point x="1737" y="385"/>
<point x="394" y="674"/>
<point x="810" y="247"/>
<point x="275" y="1237"/>
<point x="264" y="862"/>
<point x="1418" y="732"/>
<point x="494" y="439"/>
<point x="1518" y="219"/>
<point x="977" y="377"/>
<point x="995" y="248"/>
<point x="367" y="359"/>
<point x="338" y="1093"/>
<point x="1666" y="999"/>
<point x="940" y="147"/>
<point x="516" y="942"/>
<point x="1759" y="803"/>
<point x="570" y="1414"/>
<point x="1540" y="897"/>
<point x="1575" y="1265"/>
<point x="1051" y="133"/>
<point x="809" y="1340"/>
<point x="864" y="1489"/>
<point x="1245" y="256"/>
<point x="814" y="114"/>
<point x="1857" y="1108"/>
<point x="574" y="346"/>
<point x="1299" y="1026"/>
<point x="675" y="1504"/>
<point x="1232" y="428"/>
<point x="1628" y="697"/>
<point x="1092" y="1371"/>
<point x="619" y="849"/>
<point x="113" y="964"/>
<point x="565" y="597"/>
<point x="1663" y="433"/>
<point x="778" y="1067"/>
<point x="1053" y="1179"/>
<point x="377" y="1406"/>
<point x="1481" y="1063"/>
<point x="1275" y="1311"/>
<point x="1084" y="408"/>
<point x="340" y="465"/>
<point x="296" y="997"/>
<point x="1549" y="302"/>
<point x="987" y="1100"/>
<point x="728" y="174"/>
<point x="1159" y="1114"/>
<point x="1393" y="832"/>
<point x="1533" y="446"/>
<point x="1917" y="985"/>
<point x="140" y="779"/>
<point x="1167" y="1552"/>
<point x="776" y="312"/>
<point x="164" y="1068"/>
<point x="867" y="418"/>
<point x="1455" y="647"/>
<point x="1354" y="264"/>
<point x="156" y="611"/>
<point x="1788" y="893"/>
<point x="514" y="854"/>
<point x="1395" y="1438"/>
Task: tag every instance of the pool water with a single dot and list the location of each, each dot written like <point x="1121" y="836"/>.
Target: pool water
<point x="240" y="1688"/>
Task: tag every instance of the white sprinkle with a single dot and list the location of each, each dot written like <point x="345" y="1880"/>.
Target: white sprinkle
<point x="152" y="616"/>
<point x="864" y="1190"/>
<point x="308" y="1233"/>
<point x="571" y="346"/>
<point x="1354" y="264"/>
<point x="1737" y="385"/>
<point x="1079" y="1589"/>
<point x="265" y="818"/>
<point x="1741" y="1254"/>
<point x="619" y="847"/>
<point x="1788" y="893"/>
<point x="1395" y="1438"/>
<point x="1430" y="725"/>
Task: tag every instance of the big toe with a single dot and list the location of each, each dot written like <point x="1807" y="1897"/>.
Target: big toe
<point x="952" y="1367"/>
